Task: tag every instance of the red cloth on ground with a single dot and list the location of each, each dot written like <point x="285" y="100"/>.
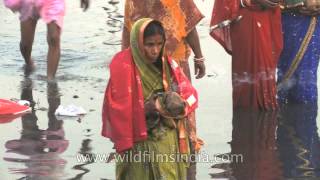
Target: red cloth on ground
<point x="10" y="110"/>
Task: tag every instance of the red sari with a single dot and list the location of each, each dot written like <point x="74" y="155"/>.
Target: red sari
<point x="255" y="43"/>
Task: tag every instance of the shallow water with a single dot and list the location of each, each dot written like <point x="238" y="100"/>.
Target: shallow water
<point x="40" y="146"/>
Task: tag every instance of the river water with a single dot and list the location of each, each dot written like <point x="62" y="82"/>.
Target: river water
<point x="42" y="146"/>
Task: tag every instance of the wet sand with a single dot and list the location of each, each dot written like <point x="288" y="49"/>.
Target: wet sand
<point x="88" y="42"/>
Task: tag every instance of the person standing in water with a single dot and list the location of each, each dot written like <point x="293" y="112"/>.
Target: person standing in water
<point x="145" y="109"/>
<point x="254" y="40"/>
<point x="179" y="19"/>
<point x="52" y="12"/>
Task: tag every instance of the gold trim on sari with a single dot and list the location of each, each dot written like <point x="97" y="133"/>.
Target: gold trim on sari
<point x="303" y="47"/>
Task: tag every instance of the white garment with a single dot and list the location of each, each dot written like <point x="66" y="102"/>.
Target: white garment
<point x="70" y="110"/>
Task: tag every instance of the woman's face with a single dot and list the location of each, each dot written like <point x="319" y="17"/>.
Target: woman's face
<point x="152" y="47"/>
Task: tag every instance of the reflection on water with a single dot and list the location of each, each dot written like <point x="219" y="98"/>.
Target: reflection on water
<point x="85" y="151"/>
<point x="274" y="145"/>
<point x="298" y="141"/>
<point x="253" y="137"/>
<point x="114" y="22"/>
<point x="38" y="149"/>
<point x="288" y="150"/>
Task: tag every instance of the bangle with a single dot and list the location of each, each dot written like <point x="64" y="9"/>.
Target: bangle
<point x="242" y="4"/>
<point x="202" y="59"/>
<point x="272" y="3"/>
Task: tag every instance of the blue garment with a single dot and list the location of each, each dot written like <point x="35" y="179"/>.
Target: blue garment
<point x="298" y="141"/>
<point x="302" y="86"/>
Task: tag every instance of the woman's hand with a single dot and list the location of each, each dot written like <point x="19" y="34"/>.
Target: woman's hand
<point x="158" y="107"/>
<point x="199" y="69"/>
<point x="268" y="3"/>
<point x="311" y="8"/>
<point x="84" y="4"/>
<point x="150" y="105"/>
<point x="309" y="12"/>
<point x="194" y="42"/>
<point x="170" y="104"/>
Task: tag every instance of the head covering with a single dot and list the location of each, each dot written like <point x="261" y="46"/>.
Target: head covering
<point x="151" y="76"/>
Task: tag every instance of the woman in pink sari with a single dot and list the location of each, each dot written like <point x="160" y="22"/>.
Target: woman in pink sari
<point x="52" y="12"/>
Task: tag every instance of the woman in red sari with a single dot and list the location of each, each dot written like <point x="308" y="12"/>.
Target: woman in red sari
<point x="146" y="104"/>
<point x="251" y="33"/>
<point x="179" y="19"/>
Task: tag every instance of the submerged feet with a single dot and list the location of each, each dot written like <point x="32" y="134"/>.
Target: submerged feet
<point x="29" y="67"/>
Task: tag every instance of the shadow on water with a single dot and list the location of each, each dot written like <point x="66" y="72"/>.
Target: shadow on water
<point x="36" y="154"/>
<point x="114" y="22"/>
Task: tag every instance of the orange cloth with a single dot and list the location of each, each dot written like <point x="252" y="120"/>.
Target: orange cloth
<point x="179" y="17"/>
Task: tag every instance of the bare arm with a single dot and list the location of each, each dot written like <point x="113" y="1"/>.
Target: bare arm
<point x="125" y="43"/>
<point x="194" y="43"/>
<point x="84" y="4"/>
<point x="311" y="8"/>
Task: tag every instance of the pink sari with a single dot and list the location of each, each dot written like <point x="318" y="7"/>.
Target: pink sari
<point x="48" y="10"/>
